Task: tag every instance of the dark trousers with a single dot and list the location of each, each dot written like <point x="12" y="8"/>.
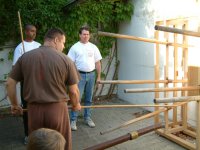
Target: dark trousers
<point x="25" y="114"/>
<point x="53" y="116"/>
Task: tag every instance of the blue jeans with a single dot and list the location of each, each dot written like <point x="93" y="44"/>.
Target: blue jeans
<point x="86" y="86"/>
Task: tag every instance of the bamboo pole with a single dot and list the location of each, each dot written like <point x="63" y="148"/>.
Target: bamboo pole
<point x="130" y="136"/>
<point x="136" y="120"/>
<point x="21" y="32"/>
<point x="125" y="106"/>
<point x="140" y="81"/>
<point x="6" y="111"/>
<point x="175" y="30"/>
<point x="177" y="99"/>
<point x="149" y="115"/>
<point x="189" y="88"/>
<point x="141" y="39"/>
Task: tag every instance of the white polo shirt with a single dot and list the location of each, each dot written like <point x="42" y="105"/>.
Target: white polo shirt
<point x="27" y="46"/>
<point x="84" y="56"/>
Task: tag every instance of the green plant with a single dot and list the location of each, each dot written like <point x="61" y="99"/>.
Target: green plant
<point x="102" y="15"/>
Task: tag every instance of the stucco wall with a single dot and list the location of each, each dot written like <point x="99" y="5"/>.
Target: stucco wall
<point x="5" y="67"/>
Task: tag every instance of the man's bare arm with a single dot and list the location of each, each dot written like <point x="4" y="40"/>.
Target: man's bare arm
<point x="74" y="96"/>
<point x="11" y="91"/>
<point x="98" y="69"/>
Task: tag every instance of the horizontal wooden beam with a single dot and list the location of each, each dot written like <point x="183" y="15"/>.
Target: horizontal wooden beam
<point x="142" y="39"/>
<point x="189" y="88"/>
<point x="6" y="111"/>
<point x="175" y="30"/>
<point x="140" y="81"/>
<point x="177" y="139"/>
<point x="125" y="106"/>
<point x="177" y="99"/>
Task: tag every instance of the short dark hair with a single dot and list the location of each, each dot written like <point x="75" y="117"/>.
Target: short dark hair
<point x="28" y="27"/>
<point x="87" y="28"/>
<point x="53" y="33"/>
<point x="46" y="139"/>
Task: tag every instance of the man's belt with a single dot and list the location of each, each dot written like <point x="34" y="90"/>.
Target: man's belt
<point x="86" y="72"/>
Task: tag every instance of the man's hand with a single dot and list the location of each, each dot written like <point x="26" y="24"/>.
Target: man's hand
<point x="77" y="107"/>
<point x="98" y="85"/>
<point x="16" y="110"/>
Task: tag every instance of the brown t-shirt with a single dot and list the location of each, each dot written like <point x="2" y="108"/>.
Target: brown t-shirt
<point x="45" y="72"/>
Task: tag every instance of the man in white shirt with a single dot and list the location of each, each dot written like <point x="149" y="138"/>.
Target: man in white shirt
<point x="86" y="57"/>
<point x="29" y="44"/>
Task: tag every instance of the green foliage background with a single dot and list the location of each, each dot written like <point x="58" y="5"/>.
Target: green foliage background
<point x="104" y="15"/>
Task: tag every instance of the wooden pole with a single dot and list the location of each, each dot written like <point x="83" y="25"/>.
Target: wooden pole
<point x="157" y="74"/>
<point x="112" y="106"/>
<point x="140" y="81"/>
<point x="175" y="30"/>
<point x="130" y="136"/>
<point x="198" y="126"/>
<point x="177" y="99"/>
<point x="21" y="32"/>
<point x="149" y="115"/>
<point x="125" y="106"/>
<point x="136" y="120"/>
<point x="140" y="39"/>
<point x="189" y="88"/>
<point x="6" y="111"/>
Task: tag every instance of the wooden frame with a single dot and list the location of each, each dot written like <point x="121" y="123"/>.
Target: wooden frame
<point x="176" y="125"/>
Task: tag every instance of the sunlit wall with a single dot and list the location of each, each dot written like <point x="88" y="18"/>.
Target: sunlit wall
<point x="137" y="59"/>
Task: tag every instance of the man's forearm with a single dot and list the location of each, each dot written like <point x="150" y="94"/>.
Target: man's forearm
<point x="74" y="99"/>
<point x="11" y="91"/>
<point x="74" y="96"/>
<point x="98" y="69"/>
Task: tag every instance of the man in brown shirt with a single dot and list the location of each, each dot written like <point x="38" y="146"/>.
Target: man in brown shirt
<point x="46" y="72"/>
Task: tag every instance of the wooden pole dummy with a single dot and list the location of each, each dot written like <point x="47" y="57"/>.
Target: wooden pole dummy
<point x="21" y="32"/>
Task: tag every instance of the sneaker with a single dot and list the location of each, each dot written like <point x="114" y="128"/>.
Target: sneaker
<point x="90" y="123"/>
<point x="73" y="126"/>
<point x="26" y="140"/>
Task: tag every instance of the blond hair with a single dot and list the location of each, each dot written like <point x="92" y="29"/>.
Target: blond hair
<point x="46" y="139"/>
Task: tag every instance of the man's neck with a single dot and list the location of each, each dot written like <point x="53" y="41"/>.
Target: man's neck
<point x="28" y="40"/>
<point x="49" y="44"/>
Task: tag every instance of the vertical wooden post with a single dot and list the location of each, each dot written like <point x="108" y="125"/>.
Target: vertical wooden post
<point x="156" y="73"/>
<point x="185" y="70"/>
<point x="198" y="127"/>
<point x="166" y="74"/>
<point x="175" y="76"/>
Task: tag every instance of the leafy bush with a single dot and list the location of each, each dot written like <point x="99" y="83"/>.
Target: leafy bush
<point x="104" y="15"/>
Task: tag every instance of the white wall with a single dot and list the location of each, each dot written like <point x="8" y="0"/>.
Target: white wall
<point x="5" y="67"/>
<point x="137" y="58"/>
